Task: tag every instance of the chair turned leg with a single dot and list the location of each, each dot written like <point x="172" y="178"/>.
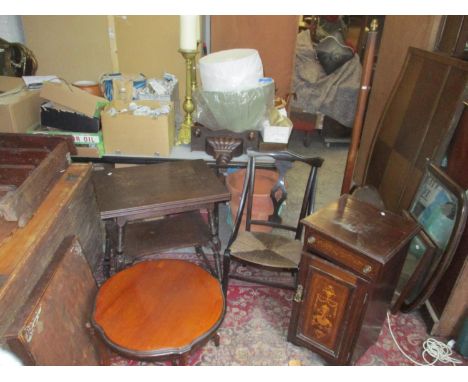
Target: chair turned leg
<point x="216" y="339"/>
<point x="226" y="267"/>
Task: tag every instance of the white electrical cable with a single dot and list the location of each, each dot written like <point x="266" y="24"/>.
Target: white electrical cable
<point x="436" y="349"/>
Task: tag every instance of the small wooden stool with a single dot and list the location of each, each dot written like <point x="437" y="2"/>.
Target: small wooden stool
<point x="159" y="310"/>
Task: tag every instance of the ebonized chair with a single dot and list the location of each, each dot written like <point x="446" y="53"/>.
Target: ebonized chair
<point x="264" y="249"/>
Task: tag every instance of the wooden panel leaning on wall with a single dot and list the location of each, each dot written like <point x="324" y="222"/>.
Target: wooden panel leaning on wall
<point x="399" y="33"/>
<point x="416" y="125"/>
<point x="69" y="209"/>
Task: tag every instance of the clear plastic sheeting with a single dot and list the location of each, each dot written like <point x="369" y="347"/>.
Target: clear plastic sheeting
<point x="231" y="70"/>
<point x="236" y="111"/>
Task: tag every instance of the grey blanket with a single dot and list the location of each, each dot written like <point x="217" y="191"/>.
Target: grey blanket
<point x="334" y="95"/>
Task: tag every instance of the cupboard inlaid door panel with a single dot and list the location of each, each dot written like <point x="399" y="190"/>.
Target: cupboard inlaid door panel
<point x="324" y="317"/>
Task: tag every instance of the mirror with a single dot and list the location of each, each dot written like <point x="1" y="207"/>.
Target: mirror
<point x="440" y="207"/>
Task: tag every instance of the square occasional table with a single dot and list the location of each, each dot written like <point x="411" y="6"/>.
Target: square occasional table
<point x="141" y="193"/>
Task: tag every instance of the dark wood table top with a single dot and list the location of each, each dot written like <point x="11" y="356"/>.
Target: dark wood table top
<point x="159" y="188"/>
<point x="158" y="308"/>
<point x="363" y="227"/>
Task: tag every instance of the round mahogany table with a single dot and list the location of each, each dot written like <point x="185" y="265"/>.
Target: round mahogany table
<point x="159" y="309"/>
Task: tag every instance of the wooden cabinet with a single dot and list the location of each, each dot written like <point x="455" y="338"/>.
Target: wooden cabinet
<point x="353" y="255"/>
<point x="68" y="209"/>
<point x="328" y="291"/>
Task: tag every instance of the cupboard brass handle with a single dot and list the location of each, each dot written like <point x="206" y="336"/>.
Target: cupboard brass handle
<point x="366" y="269"/>
<point x="311" y="240"/>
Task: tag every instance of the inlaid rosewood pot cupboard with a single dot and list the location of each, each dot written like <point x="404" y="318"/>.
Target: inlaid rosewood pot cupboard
<point x="351" y="261"/>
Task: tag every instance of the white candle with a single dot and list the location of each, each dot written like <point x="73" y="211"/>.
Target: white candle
<point x="199" y="38"/>
<point x="188" y="32"/>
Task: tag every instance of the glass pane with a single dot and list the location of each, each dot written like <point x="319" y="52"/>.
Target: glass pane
<point x="415" y="251"/>
<point x="435" y="208"/>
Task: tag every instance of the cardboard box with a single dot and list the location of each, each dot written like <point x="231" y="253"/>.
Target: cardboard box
<point x="276" y="134"/>
<point x="278" y="128"/>
<point x="19" y="107"/>
<point x="63" y="118"/>
<point x="128" y="134"/>
<point x="87" y="144"/>
<point x="88" y="152"/>
<point x="73" y="98"/>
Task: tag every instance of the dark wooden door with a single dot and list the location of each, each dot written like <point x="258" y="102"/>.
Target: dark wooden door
<point x="326" y="317"/>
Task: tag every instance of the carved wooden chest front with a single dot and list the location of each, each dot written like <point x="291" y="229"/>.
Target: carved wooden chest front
<point x="352" y="257"/>
<point x="52" y="327"/>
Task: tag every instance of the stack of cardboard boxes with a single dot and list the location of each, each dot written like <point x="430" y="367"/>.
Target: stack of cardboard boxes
<point x="98" y="126"/>
<point x="19" y="107"/>
<point x="68" y="110"/>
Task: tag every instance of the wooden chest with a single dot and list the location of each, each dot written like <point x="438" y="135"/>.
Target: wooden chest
<point x="29" y="167"/>
<point x="352" y="257"/>
<point x="52" y="328"/>
<point x="69" y="208"/>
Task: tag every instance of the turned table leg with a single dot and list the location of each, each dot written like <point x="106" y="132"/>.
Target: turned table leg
<point x="120" y="257"/>
<point x="213" y="221"/>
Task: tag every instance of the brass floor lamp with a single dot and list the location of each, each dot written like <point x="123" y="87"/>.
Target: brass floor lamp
<point x="188" y="105"/>
<point x="190" y="37"/>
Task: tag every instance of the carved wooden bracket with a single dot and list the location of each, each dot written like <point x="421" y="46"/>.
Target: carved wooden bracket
<point x="223" y="149"/>
<point x="223" y="145"/>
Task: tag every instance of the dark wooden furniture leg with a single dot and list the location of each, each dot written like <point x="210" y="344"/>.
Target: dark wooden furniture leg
<point x="213" y="221"/>
<point x="119" y="261"/>
<point x="109" y="248"/>
<point x="226" y="267"/>
<point x="216" y="339"/>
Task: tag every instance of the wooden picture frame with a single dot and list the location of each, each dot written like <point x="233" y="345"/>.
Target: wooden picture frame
<point x="441" y="207"/>
<point x="421" y="252"/>
<point x="52" y="328"/>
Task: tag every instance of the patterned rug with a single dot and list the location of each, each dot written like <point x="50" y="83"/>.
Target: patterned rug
<point x="255" y="328"/>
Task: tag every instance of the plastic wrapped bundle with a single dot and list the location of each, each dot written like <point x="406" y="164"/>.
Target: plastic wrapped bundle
<point x="231" y="70"/>
<point x="237" y="111"/>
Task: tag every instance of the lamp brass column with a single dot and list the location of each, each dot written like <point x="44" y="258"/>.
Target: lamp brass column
<point x="188" y="105"/>
<point x="194" y="70"/>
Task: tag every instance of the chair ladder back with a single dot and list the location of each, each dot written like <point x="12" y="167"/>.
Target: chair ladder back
<point x="278" y="194"/>
<point x="282" y="166"/>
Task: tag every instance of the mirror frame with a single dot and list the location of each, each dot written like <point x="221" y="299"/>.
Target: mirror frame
<point x="436" y="270"/>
